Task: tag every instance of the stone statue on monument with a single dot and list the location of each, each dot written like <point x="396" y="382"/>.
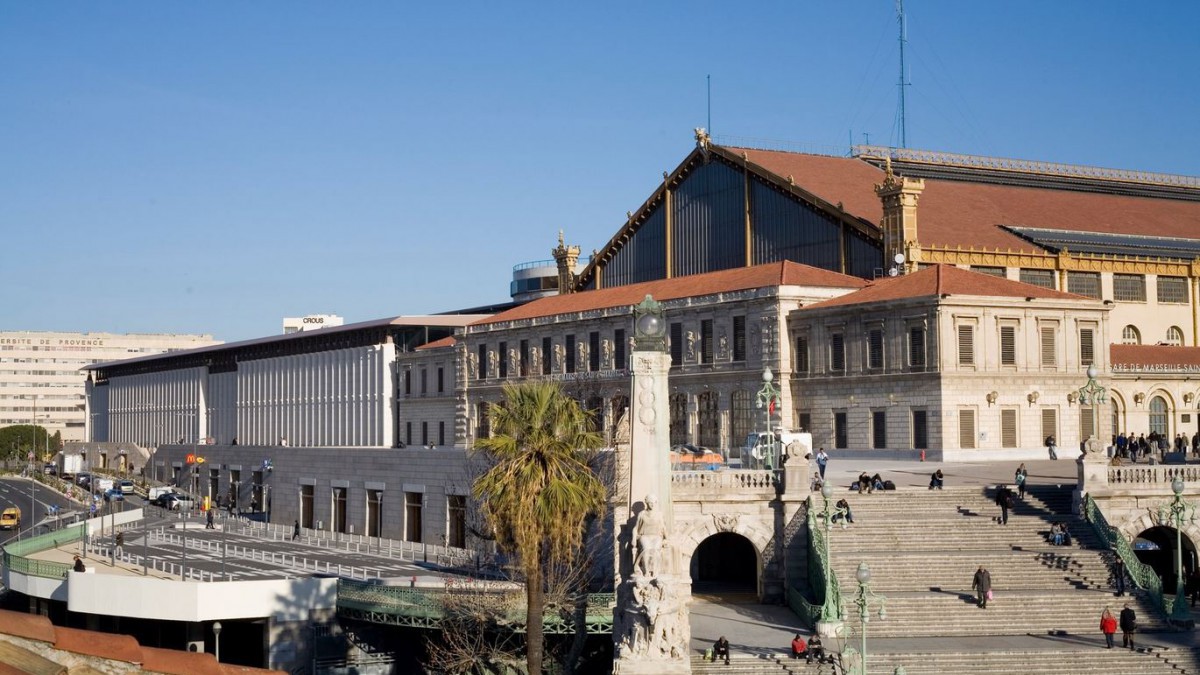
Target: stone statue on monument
<point x="649" y="532"/>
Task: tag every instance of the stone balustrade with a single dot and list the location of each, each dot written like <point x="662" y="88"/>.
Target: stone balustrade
<point x="730" y="481"/>
<point x="1152" y="475"/>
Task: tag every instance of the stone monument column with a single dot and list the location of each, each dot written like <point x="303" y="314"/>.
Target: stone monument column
<point x="651" y="629"/>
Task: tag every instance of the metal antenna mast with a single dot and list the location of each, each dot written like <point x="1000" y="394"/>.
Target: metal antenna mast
<point x="708" y="85"/>
<point x="903" y="83"/>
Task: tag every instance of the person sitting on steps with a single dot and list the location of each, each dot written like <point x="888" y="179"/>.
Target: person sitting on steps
<point x="799" y="647"/>
<point x="864" y="483"/>
<point x="843" y="511"/>
<point x="936" y="480"/>
<point x="721" y="649"/>
<point x="876" y="482"/>
<point x="815" y="650"/>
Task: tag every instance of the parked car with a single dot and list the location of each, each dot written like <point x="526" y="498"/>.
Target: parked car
<point x="113" y="495"/>
<point x="693" y="458"/>
<point x="51" y="469"/>
<point x="178" y="502"/>
<point x="126" y="487"/>
<point x="84" y="480"/>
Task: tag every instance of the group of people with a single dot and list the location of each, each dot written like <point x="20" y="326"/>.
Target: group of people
<point x="1130" y="447"/>
<point x="1127" y="622"/>
<point x="810" y="650"/>
<point x="1060" y="535"/>
<point x="868" y="483"/>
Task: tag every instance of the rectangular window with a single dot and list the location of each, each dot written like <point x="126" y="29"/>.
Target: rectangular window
<point x="1129" y="288"/>
<point x="966" y="429"/>
<point x="1008" y="345"/>
<point x="424" y="433"/>
<point x="676" y="339"/>
<point x="408" y="383"/>
<point x="338" y="521"/>
<point x="503" y="359"/>
<point x="837" y="353"/>
<point x="966" y="345"/>
<point x="840" y="437"/>
<point x="441" y="379"/>
<point x="570" y="348"/>
<point x="805" y="420"/>
<point x="1050" y="422"/>
<point x="739" y="338"/>
<point x="1008" y="428"/>
<point x="1172" y="290"/>
<point x="878" y="429"/>
<point x="524" y="353"/>
<point x="408" y="433"/>
<point x="547" y="359"/>
<point x="483" y="366"/>
<point x="990" y="271"/>
<point x="802" y="354"/>
<point x="441" y="433"/>
<point x="706" y="341"/>
<point x="306" y="506"/>
<point x="1042" y="278"/>
<point x="424" y="381"/>
<point x="920" y="429"/>
<point x="413" y="502"/>
<point x="1086" y="284"/>
<point x="916" y="347"/>
<point x="619" y="345"/>
<point x="1049" y="347"/>
<point x="593" y="351"/>
<point x="456" y="521"/>
<point x="875" y="348"/>
<point x="1087" y="350"/>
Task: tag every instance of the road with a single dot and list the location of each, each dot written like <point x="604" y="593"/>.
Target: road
<point x="35" y="501"/>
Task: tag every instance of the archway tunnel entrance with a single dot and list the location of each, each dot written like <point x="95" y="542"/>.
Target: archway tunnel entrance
<point x="1156" y="547"/>
<point x="725" y="563"/>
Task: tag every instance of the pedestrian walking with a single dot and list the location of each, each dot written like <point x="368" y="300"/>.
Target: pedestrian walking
<point x="982" y="585"/>
<point x="1052" y="446"/>
<point x="1108" y="626"/>
<point x="296" y="531"/>
<point x="208" y="520"/>
<point x="1020" y="477"/>
<point x="119" y="543"/>
<point x="1128" y="626"/>
<point x="1004" y="499"/>
<point x="822" y="460"/>
<point x="1119" y="575"/>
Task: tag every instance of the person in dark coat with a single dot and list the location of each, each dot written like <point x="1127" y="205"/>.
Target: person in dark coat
<point x="982" y="585"/>
<point x="1119" y="576"/>
<point x="1004" y="500"/>
<point x="296" y="531"/>
<point x="79" y="565"/>
<point x="721" y="650"/>
<point x="1128" y="623"/>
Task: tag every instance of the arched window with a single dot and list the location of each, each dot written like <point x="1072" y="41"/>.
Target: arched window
<point x="1130" y="336"/>
<point x="1158" y="415"/>
<point x="1174" y="336"/>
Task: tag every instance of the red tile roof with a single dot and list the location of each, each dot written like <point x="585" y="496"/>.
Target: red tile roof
<point x="725" y="281"/>
<point x="957" y="213"/>
<point x="29" y="626"/>
<point x="942" y="280"/>
<point x="113" y="647"/>
<point x="447" y="341"/>
<point x="1153" y="355"/>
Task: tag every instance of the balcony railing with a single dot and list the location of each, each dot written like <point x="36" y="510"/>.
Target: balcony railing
<point x="731" y="481"/>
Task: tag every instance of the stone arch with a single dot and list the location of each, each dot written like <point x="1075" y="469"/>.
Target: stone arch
<point x="1147" y="521"/>
<point x="708" y="525"/>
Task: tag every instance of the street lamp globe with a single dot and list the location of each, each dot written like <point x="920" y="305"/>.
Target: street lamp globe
<point x="863" y="574"/>
<point x="827" y="491"/>
<point x="768" y="375"/>
<point x="1092" y="372"/>
<point x="1177" y="486"/>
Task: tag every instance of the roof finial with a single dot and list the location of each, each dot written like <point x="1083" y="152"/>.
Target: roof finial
<point x="887" y="166"/>
<point x="702" y="137"/>
<point x="560" y="238"/>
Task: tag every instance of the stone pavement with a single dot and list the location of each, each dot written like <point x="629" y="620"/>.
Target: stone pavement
<point x="761" y="630"/>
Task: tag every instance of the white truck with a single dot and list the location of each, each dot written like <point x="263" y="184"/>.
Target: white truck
<point x="69" y="465"/>
<point x="763" y="449"/>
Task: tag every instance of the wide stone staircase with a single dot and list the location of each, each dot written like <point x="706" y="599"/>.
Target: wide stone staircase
<point x="923" y="547"/>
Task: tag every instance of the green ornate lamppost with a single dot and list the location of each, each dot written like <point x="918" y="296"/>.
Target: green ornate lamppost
<point x="831" y="610"/>
<point x="767" y="399"/>
<point x="863" y="600"/>
<point x="1177" y="511"/>
<point x="1094" y="394"/>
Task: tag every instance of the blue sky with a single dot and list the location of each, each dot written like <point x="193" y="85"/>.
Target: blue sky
<point x="210" y="167"/>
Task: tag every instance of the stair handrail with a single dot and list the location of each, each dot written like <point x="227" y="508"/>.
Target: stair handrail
<point x="829" y="606"/>
<point x="1144" y="576"/>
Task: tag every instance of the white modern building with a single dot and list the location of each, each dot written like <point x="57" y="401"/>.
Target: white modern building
<point x="41" y="381"/>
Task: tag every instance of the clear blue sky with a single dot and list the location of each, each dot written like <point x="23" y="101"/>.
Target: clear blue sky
<point x="211" y="167"/>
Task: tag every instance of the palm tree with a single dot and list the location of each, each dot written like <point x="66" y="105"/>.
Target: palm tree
<point x="539" y="491"/>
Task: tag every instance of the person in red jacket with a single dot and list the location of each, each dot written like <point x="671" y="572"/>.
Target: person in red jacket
<point x="1108" y="626"/>
<point x="799" y="647"/>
